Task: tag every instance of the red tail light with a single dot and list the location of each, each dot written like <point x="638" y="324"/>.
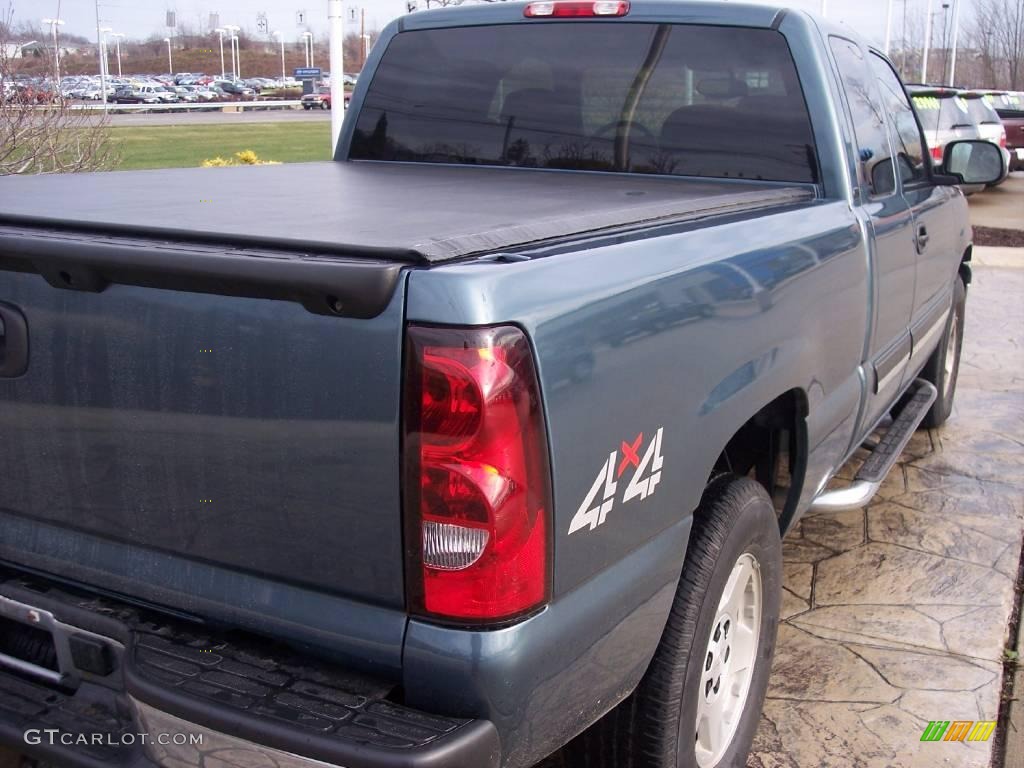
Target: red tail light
<point x="1002" y="139"/>
<point x="561" y="9"/>
<point x="937" y="153"/>
<point x="477" y="488"/>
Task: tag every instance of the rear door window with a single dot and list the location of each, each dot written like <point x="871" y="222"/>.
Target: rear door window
<point x="905" y="134"/>
<point x="627" y="97"/>
<point x="867" y="113"/>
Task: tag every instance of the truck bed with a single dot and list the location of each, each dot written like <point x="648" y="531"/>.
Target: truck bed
<point x="415" y="213"/>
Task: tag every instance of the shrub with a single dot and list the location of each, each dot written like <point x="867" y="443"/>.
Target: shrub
<point x="245" y="157"/>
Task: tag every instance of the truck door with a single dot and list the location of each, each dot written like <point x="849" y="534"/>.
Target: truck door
<point x="890" y="232"/>
<point x="933" y="227"/>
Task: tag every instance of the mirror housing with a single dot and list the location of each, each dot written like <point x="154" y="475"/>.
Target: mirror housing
<point x="971" y="161"/>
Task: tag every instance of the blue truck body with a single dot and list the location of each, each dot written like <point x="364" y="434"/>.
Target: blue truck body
<point x="281" y="446"/>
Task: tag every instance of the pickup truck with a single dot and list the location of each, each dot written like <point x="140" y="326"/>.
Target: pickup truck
<point x="1010" y="108"/>
<point x="478" y="441"/>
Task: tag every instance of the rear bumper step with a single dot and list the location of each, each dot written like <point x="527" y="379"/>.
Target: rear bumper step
<point x="883" y="456"/>
<point x="134" y="689"/>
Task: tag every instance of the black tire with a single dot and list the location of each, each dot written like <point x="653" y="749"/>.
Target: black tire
<point x="935" y="369"/>
<point x="656" y="726"/>
<point x="324" y="105"/>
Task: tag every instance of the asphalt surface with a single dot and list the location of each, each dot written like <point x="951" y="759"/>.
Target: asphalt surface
<point x="1001" y="206"/>
<point x="205" y="117"/>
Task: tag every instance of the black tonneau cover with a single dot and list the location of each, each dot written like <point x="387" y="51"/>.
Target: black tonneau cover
<point x="414" y="213"/>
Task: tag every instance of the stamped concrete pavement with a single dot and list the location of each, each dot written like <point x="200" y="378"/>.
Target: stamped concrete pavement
<point x="896" y="614"/>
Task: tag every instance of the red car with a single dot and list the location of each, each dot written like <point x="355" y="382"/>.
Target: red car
<point x="1010" y="107"/>
<point x="321" y="97"/>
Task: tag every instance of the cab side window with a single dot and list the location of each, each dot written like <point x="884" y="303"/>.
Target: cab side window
<point x="867" y="112"/>
<point x="910" y="154"/>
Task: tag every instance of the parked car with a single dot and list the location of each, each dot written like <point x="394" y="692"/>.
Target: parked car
<point x="36" y="93"/>
<point x="1010" y="108"/>
<point x="202" y="93"/>
<point x="185" y="94"/>
<point x="166" y="93"/>
<point x="235" y="88"/>
<point x="945" y="117"/>
<point x="332" y="490"/>
<point x="95" y="92"/>
<point x="320" y="98"/>
<point x="981" y="107"/>
<point x="131" y="95"/>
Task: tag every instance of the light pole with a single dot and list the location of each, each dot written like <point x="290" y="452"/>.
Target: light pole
<point x="54" y="23"/>
<point x="945" y="47"/>
<point x="927" y="42"/>
<point x="220" y="34"/>
<point x="308" y="39"/>
<point x="888" y="26"/>
<point x="956" y="30"/>
<point x="117" y="42"/>
<point x="280" y="38"/>
<point x="170" y="62"/>
<point x="104" y="64"/>
<point x="99" y="50"/>
<point x="337" y="64"/>
<point x="233" y="29"/>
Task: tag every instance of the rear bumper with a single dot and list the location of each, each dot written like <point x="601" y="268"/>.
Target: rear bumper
<point x="142" y="689"/>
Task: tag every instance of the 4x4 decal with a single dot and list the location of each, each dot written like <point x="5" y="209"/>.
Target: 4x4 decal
<point x="646" y="476"/>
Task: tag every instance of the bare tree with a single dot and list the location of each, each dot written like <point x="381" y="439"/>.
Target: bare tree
<point x="998" y="36"/>
<point x="39" y="131"/>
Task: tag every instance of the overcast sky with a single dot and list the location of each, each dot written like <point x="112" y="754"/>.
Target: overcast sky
<point x="141" y="18"/>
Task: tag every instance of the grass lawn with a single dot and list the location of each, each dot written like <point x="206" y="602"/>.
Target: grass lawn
<point x="178" y="146"/>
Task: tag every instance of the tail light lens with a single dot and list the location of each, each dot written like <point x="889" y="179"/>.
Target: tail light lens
<point x="937" y="153"/>
<point x="477" y="487"/>
<point x="1002" y="138"/>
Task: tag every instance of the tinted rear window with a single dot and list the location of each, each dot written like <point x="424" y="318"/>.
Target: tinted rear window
<point x="942" y="114"/>
<point x="639" y="98"/>
<point x="1010" y="105"/>
<point x="981" y="111"/>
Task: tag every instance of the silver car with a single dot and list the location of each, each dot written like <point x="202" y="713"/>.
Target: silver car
<point x="981" y="105"/>
<point x="945" y="117"/>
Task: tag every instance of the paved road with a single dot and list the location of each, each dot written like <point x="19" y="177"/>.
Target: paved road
<point x="1002" y="206"/>
<point x="220" y="118"/>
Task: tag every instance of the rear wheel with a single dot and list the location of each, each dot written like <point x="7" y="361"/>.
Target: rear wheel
<point x="943" y="367"/>
<point x="324" y="105"/>
<point x="699" y="703"/>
